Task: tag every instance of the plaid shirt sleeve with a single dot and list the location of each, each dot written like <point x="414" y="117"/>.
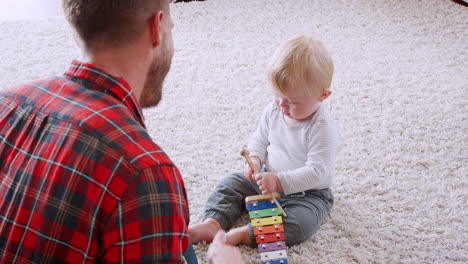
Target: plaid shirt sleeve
<point x="151" y="215"/>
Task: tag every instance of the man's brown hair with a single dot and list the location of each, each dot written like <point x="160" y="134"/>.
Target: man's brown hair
<point x="110" y="22"/>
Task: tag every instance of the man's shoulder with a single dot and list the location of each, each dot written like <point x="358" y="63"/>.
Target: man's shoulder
<point x="28" y="87"/>
<point x="64" y="99"/>
<point x="98" y="115"/>
<point x="54" y="93"/>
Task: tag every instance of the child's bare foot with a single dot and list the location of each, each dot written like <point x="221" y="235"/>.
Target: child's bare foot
<point x="238" y="236"/>
<point x="205" y="231"/>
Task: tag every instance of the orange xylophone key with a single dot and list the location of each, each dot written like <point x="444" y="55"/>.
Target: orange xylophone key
<point x="258" y="230"/>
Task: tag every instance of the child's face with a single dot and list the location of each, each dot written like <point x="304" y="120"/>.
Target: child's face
<point x="299" y="106"/>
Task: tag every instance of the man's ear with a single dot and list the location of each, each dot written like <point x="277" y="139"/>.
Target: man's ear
<point x="325" y="94"/>
<point x="155" y="28"/>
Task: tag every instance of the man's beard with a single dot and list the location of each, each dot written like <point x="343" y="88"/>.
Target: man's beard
<point x="152" y="91"/>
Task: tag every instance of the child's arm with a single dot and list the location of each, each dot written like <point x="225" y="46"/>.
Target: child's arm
<point x="319" y="168"/>
<point x="258" y="142"/>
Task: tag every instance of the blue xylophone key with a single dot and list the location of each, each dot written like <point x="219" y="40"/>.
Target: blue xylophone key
<point x="276" y="261"/>
<point x="261" y="205"/>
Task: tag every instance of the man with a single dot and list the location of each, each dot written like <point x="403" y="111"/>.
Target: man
<point x="81" y="181"/>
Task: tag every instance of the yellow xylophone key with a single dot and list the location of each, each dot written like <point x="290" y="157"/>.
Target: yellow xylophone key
<point x="267" y="221"/>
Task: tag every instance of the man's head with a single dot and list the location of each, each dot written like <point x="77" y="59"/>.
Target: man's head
<point x="119" y="24"/>
<point x="111" y="22"/>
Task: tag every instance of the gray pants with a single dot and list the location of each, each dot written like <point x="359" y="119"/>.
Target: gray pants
<point x="306" y="211"/>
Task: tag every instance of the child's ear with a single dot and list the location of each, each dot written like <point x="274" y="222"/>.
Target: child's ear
<point x="325" y="94"/>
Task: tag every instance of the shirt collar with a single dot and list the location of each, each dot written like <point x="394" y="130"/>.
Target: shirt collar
<point x="97" y="79"/>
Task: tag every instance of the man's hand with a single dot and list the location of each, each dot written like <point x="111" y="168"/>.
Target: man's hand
<point x="222" y="253"/>
<point x="268" y="182"/>
<point x="248" y="173"/>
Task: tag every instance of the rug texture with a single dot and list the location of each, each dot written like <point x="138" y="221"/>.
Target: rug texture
<point x="400" y="101"/>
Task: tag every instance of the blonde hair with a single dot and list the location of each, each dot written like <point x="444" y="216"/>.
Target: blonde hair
<point x="301" y="59"/>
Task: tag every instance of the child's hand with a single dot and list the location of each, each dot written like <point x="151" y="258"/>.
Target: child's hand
<point x="248" y="173"/>
<point x="268" y="182"/>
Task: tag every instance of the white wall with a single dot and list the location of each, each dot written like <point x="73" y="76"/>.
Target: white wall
<point x="29" y="9"/>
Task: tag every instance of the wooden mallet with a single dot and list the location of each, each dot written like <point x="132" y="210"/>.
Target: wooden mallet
<point x="246" y="153"/>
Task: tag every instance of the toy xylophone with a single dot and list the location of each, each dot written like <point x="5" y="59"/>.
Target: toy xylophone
<point x="265" y="214"/>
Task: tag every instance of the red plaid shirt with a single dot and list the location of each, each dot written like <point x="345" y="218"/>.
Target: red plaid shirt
<point x="81" y="181"/>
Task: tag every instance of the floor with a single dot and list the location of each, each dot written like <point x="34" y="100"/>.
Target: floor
<point x="34" y="9"/>
<point x="29" y="9"/>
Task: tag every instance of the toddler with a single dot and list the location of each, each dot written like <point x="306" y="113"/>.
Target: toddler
<point x="293" y="151"/>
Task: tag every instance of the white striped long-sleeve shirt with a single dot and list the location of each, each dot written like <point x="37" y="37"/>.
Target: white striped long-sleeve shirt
<point x="302" y="155"/>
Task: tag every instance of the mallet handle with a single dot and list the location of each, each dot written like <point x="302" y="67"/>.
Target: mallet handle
<point x="245" y="152"/>
<point x="279" y="206"/>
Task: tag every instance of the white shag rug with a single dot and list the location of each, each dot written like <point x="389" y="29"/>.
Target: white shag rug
<point x="400" y="99"/>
